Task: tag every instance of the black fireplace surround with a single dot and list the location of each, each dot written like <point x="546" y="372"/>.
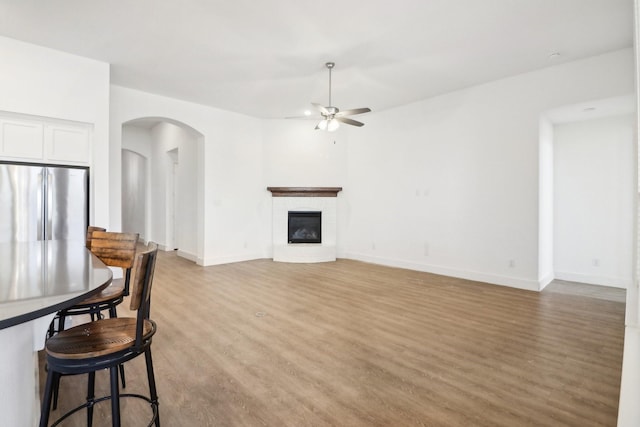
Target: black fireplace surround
<point x="305" y="227"/>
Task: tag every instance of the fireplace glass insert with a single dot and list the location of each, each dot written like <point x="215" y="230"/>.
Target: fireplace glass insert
<point x="305" y="227"/>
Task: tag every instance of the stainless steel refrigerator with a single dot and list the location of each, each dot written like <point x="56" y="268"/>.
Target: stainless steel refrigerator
<point x="40" y="202"/>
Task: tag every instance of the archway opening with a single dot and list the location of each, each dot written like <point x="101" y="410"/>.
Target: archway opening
<point x="160" y="165"/>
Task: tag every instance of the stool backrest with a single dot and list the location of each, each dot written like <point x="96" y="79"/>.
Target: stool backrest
<point x="116" y="250"/>
<point x="143" y="270"/>
<point x="90" y="230"/>
<point x="143" y="276"/>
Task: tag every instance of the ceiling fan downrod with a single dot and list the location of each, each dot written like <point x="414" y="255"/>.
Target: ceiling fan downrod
<point x="330" y="66"/>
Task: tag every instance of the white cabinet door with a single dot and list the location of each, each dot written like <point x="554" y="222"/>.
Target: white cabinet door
<point x="68" y="144"/>
<point x="21" y="139"/>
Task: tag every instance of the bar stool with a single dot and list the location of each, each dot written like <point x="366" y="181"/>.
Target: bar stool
<point x="106" y="344"/>
<point x="115" y="250"/>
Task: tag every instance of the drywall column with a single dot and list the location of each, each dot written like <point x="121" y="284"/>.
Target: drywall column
<point x="545" y="206"/>
<point x="628" y="409"/>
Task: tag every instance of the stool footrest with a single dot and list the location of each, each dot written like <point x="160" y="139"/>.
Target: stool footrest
<point x="93" y="402"/>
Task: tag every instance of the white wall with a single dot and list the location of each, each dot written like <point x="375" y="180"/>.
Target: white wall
<point x="451" y="184"/>
<point x="296" y="155"/>
<point x="48" y="83"/>
<point x="233" y="214"/>
<point x="594" y="186"/>
<point x="545" y="204"/>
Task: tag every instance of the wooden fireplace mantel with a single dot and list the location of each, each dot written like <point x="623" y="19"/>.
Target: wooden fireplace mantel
<point x="304" y="191"/>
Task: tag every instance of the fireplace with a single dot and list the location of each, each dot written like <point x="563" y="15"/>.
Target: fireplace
<point x="304" y="227"/>
<point x="302" y="207"/>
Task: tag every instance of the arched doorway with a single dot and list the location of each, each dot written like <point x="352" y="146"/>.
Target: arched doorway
<point x="169" y="183"/>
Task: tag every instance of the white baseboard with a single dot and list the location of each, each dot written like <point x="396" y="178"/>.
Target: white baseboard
<point x="187" y="255"/>
<point x="495" y="279"/>
<point x="614" y="282"/>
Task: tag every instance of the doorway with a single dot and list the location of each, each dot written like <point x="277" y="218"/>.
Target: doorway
<point x="173" y="171"/>
<point x="587" y="191"/>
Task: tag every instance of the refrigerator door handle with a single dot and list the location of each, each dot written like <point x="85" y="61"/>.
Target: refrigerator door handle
<point x="48" y="207"/>
<point x="42" y="202"/>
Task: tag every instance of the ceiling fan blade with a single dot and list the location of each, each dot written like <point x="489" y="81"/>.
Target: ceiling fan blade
<point x="320" y="108"/>
<point x="349" y="121"/>
<point x="353" y="111"/>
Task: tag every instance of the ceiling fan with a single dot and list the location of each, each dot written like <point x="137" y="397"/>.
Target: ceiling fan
<point x="332" y="116"/>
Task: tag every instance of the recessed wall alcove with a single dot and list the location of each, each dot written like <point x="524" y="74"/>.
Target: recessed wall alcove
<point x="304" y="199"/>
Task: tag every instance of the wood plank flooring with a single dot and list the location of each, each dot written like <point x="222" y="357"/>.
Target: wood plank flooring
<point x="261" y="343"/>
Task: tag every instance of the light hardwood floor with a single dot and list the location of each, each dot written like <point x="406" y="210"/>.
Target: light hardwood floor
<point x="261" y="343"/>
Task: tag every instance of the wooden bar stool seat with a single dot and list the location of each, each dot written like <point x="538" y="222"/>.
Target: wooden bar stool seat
<point x="107" y="344"/>
<point x="97" y="339"/>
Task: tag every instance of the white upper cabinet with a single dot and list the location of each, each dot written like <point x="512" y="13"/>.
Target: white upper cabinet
<point x="35" y="139"/>
<point x="68" y="144"/>
<point x="21" y="139"/>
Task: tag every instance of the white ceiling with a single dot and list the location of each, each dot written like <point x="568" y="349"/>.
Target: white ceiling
<point x="266" y="58"/>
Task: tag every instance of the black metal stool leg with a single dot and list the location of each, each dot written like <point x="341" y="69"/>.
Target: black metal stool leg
<point x="91" y="385"/>
<point x="113" y="314"/>
<point x="56" y="386"/>
<point x="46" y="400"/>
<point x="153" y="394"/>
<point x="115" y="397"/>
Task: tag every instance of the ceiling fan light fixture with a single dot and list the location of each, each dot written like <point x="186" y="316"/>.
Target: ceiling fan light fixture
<point x="332" y="116"/>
